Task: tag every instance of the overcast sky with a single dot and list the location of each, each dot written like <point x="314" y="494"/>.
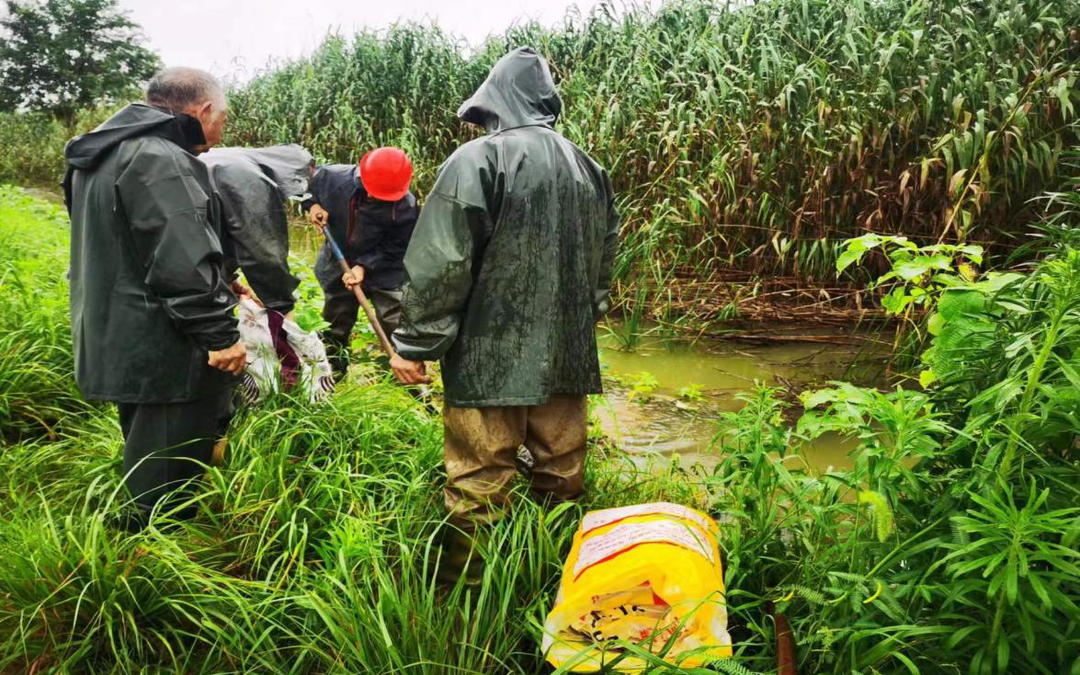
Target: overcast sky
<point x="238" y="37"/>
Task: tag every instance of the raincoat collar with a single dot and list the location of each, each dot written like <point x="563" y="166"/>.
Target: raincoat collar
<point x="137" y="119"/>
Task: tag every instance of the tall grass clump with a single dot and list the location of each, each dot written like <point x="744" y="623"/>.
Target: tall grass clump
<point x="743" y="139"/>
<point x="37" y="386"/>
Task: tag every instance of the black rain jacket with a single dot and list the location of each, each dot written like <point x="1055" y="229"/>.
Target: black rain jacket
<point x="149" y="295"/>
<point x="252" y="185"/>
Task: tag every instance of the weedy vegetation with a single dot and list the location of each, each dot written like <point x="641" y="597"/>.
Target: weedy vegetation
<point x="905" y="146"/>
<point x="951" y="546"/>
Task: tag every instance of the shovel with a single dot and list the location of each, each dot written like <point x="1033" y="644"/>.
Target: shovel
<point x="384" y="341"/>
<point x="423" y="391"/>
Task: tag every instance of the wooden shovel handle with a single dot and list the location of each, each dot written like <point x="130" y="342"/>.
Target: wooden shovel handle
<point x="785" y="646"/>
<point x="785" y="643"/>
<point x="384" y="341"/>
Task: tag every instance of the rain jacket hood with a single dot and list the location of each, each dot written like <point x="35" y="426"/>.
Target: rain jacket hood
<point x="518" y="92"/>
<point x="87" y="151"/>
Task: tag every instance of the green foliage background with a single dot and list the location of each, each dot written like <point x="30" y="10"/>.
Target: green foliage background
<point x="743" y="139"/>
<point x="749" y="137"/>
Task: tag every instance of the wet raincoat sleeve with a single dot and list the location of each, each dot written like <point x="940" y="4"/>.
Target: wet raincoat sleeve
<point x="179" y="249"/>
<point x="316" y="191"/>
<point x="322" y="187"/>
<point x="264" y="260"/>
<point x="602" y="293"/>
<point x="228" y="248"/>
<point x="450" y="235"/>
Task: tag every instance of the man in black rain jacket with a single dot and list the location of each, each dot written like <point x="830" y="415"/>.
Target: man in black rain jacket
<point x="252" y="185"/>
<point x="373" y="234"/>
<point x="151" y="307"/>
<point x="506" y="275"/>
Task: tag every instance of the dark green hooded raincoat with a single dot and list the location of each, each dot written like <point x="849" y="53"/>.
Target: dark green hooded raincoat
<point x="149" y="296"/>
<point x="509" y="266"/>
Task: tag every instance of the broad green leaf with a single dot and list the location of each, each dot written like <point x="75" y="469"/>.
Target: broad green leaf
<point x="912" y="269"/>
<point x="845" y="259"/>
<point x="813" y="399"/>
<point x="935" y="323"/>
<point x="896" y="301"/>
<point x="958" y="302"/>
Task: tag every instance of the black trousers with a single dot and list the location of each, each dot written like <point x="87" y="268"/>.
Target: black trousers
<point x="340" y="310"/>
<point x="167" y="444"/>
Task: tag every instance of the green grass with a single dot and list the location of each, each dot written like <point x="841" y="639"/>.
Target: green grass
<point x="36" y="392"/>
<point x="34" y="145"/>
<point x="315" y="544"/>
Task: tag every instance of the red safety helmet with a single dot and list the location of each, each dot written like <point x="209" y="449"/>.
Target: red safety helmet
<point x="386" y="174"/>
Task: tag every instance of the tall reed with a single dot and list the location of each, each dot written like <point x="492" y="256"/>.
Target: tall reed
<point x="749" y="137"/>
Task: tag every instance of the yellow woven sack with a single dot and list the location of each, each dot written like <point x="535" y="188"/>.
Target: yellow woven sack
<point x="644" y="573"/>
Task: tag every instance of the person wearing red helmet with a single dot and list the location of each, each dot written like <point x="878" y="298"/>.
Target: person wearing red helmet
<point x="371" y="214"/>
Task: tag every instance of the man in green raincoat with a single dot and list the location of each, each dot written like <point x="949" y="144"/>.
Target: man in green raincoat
<point x="507" y="274"/>
<point x="151" y="304"/>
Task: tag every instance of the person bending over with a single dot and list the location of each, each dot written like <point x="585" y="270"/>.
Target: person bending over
<point x="252" y="185"/>
<point x="371" y="214"/>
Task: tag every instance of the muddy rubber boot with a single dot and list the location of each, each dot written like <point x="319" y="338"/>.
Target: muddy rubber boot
<point x="462" y="554"/>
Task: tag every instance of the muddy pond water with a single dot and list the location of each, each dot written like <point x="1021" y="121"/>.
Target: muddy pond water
<point x="666" y="395"/>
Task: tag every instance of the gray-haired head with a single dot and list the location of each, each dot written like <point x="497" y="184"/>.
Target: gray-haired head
<point x="181" y="89"/>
